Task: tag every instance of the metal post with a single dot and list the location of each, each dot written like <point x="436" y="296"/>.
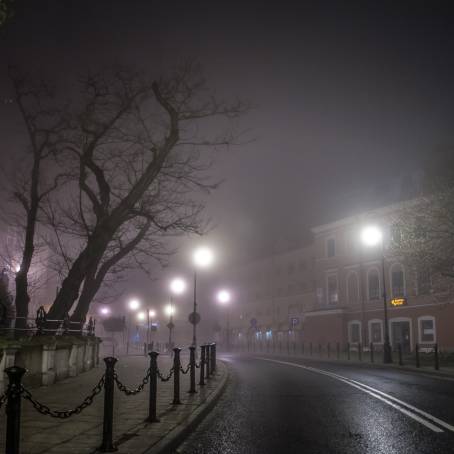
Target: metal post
<point x="107" y="427"/>
<point x="348" y="351"/>
<point x="152" y="417"/>
<point x="176" y="376"/>
<point x="387" y="357"/>
<point x="213" y="358"/>
<point x="436" y="363"/>
<point x="13" y="409"/>
<point x="192" y="389"/>
<point x="417" y="355"/>
<point x="399" y="352"/>
<point x="202" y="365"/>
<point x="371" y="349"/>
<point x="207" y="360"/>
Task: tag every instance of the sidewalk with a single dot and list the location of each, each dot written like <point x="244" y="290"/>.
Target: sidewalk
<point x="82" y="433"/>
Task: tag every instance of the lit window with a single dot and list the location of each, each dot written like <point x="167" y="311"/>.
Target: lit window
<point x="373" y="282"/>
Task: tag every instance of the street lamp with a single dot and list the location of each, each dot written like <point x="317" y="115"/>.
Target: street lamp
<point x="203" y="257"/>
<point x="133" y="305"/>
<point x="104" y="311"/>
<point x="224" y="298"/>
<point x="170" y="310"/>
<point x="372" y="236"/>
<point x="151" y="314"/>
<point x="177" y="287"/>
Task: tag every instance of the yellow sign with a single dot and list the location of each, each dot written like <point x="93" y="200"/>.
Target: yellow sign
<point x="398" y="302"/>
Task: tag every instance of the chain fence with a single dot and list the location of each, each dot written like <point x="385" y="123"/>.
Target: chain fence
<point x="132" y="392"/>
<point x="63" y="414"/>
<point x="164" y="379"/>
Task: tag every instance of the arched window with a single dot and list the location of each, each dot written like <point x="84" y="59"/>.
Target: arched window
<point x="353" y="287"/>
<point x="373" y="284"/>
<point x="397" y="280"/>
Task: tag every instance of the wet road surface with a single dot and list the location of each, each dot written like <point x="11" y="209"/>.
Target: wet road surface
<point x="290" y="405"/>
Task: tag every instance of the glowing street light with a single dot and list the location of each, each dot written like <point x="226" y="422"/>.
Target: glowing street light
<point x="224" y="297"/>
<point x="203" y="257"/>
<point x="141" y="316"/>
<point x="372" y="236"/>
<point x="177" y="286"/>
<point x="104" y="311"/>
<point x="152" y="313"/>
<point x="133" y="305"/>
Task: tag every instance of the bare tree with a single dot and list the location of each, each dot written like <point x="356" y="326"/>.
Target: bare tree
<point x="33" y="179"/>
<point x="425" y="225"/>
<point x="138" y="152"/>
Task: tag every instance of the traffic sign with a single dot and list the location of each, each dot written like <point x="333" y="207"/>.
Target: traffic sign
<point x="194" y="318"/>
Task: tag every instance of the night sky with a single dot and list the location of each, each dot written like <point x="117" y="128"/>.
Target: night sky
<point x="349" y="95"/>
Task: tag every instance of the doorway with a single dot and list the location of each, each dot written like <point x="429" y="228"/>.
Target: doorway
<point x="400" y="332"/>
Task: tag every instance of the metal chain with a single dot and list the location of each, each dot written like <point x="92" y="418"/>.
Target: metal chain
<point x="197" y="365"/>
<point x="63" y="414"/>
<point x="185" y="371"/>
<point x="132" y="392"/>
<point x="165" y="378"/>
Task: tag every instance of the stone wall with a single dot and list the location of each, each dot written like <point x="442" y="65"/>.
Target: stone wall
<point x="48" y="358"/>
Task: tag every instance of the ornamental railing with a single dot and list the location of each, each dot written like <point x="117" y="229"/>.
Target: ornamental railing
<point x="110" y="380"/>
<point x="43" y="325"/>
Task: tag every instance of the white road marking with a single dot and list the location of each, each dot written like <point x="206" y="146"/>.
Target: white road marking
<point x="398" y="404"/>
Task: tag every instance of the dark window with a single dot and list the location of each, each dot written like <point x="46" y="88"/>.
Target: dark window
<point x="374" y="285"/>
<point x="424" y="280"/>
<point x="331" y="247"/>
<point x="352" y="284"/>
<point x="375" y="332"/>
<point x="332" y="290"/>
<point x="354" y="333"/>
<point x="427" y="330"/>
<point x="397" y="281"/>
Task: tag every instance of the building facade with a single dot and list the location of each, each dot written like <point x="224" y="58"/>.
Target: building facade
<point x="333" y="292"/>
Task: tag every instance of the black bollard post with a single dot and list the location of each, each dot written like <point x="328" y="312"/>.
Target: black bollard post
<point x="436" y="363"/>
<point x="176" y="376"/>
<point x="399" y="352"/>
<point x="360" y="351"/>
<point x="371" y="349"/>
<point x="192" y="389"/>
<point x="328" y="350"/>
<point x="338" y="350"/>
<point x="417" y="355"/>
<point x="13" y="409"/>
<point x="207" y="360"/>
<point x="152" y="417"/>
<point x="348" y="351"/>
<point x="107" y="425"/>
<point x="202" y="365"/>
<point x="213" y="358"/>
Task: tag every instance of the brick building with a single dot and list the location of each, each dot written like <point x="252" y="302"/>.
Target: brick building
<point x="332" y="291"/>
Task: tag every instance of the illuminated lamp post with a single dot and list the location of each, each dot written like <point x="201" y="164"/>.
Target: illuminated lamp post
<point x="202" y="258"/>
<point x="177" y="287"/>
<point x="133" y="305"/>
<point x="224" y="298"/>
<point x="372" y="236"/>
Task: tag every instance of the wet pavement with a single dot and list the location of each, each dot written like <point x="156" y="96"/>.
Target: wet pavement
<point x="291" y="405"/>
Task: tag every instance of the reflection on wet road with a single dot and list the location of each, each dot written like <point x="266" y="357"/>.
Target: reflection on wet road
<point x="282" y="405"/>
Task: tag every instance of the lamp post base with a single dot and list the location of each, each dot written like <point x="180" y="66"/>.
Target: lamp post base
<point x="387" y="356"/>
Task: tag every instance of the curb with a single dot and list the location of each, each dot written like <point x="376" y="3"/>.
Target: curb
<point x="176" y="436"/>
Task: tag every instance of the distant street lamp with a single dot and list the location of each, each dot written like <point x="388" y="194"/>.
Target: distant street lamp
<point x="133" y="305"/>
<point x="151" y="314"/>
<point x="177" y="287"/>
<point x="203" y="257"/>
<point x="104" y="311"/>
<point x="224" y="298"/>
<point x="372" y="236"/>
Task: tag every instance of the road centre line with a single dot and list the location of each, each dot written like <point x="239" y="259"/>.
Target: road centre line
<point x="398" y="404"/>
